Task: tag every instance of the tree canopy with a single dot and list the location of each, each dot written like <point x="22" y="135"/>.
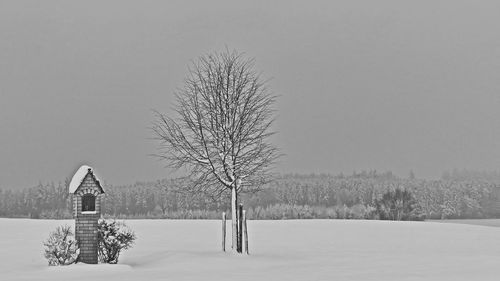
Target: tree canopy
<point x="221" y="127"/>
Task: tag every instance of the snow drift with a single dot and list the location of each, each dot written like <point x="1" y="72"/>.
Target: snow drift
<point x="280" y="250"/>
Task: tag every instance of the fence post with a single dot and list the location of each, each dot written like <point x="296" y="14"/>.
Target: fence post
<point x="223" y="231"/>
<point x="240" y="229"/>
<point x="245" y="228"/>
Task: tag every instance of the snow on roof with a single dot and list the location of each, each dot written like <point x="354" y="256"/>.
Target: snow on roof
<point x="79" y="176"/>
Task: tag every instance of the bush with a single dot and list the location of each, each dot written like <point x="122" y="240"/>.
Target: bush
<point x="113" y="237"/>
<point x="61" y="248"/>
<point x="398" y="205"/>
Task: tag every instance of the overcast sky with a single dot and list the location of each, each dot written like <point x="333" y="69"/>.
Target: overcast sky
<point x="385" y="85"/>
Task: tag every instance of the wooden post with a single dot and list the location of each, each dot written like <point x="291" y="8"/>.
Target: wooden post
<point x="223" y="231"/>
<point x="240" y="228"/>
<point x="234" y="219"/>
<point x="245" y="230"/>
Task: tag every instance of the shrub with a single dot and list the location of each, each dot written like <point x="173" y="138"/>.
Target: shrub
<point x="61" y="248"/>
<point x="398" y="205"/>
<point x="113" y="237"/>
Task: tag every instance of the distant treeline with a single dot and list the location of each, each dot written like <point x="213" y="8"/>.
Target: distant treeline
<point x="291" y="196"/>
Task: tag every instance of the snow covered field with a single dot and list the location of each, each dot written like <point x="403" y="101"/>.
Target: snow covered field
<point x="280" y="250"/>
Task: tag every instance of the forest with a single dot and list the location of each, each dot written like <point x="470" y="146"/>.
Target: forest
<point x="458" y="194"/>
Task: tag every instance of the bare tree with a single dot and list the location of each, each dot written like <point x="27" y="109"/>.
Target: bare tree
<point x="221" y="129"/>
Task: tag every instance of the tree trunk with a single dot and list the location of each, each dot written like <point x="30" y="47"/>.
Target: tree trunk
<point x="234" y="218"/>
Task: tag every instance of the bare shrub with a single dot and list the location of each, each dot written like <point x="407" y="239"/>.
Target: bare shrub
<point x="61" y="248"/>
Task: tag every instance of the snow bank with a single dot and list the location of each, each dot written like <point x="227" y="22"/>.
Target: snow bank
<point x="280" y="250"/>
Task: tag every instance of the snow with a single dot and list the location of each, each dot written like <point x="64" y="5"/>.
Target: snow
<point x="280" y="250"/>
<point x="79" y="176"/>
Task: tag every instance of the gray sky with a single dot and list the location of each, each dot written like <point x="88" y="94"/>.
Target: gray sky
<point x="386" y="85"/>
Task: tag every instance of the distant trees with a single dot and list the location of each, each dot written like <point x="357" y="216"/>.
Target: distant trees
<point x="42" y="201"/>
<point x="133" y="200"/>
<point x="221" y="129"/>
<point x="288" y="197"/>
<point x="471" y="175"/>
<point x="411" y="175"/>
<point x="158" y="199"/>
